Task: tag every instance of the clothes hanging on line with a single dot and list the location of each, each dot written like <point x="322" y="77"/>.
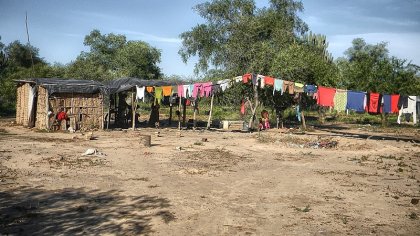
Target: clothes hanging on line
<point x="207" y="88"/>
<point x="215" y="89"/>
<point x="394" y="103"/>
<point x="167" y="90"/>
<point x="224" y="84"/>
<point x="310" y="89"/>
<point x="409" y="109"/>
<point x="356" y="101"/>
<point x="403" y="102"/>
<point x="247" y="78"/>
<point x="373" y="103"/>
<point x="149" y="89"/>
<point x="185" y="91"/>
<point x="298" y="87"/>
<point x="198" y="88"/>
<point x="269" y="80"/>
<point x="260" y="79"/>
<point x="238" y="79"/>
<point x="340" y="100"/>
<point x="326" y="96"/>
<point x="278" y="85"/>
<point x="140" y="93"/>
<point x="158" y="95"/>
<point x="288" y="85"/>
<point x="386" y="103"/>
<point x="181" y="91"/>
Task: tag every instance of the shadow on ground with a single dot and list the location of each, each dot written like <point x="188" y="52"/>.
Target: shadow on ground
<point x="34" y="211"/>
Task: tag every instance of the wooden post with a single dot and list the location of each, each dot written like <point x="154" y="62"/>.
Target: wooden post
<point x="133" y="110"/>
<point x="195" y="112"/>
<point x="146" y="140"/>
<point x="170" y="113"/>
<point x="179" y="113"/>
<point x="254" y="109"/>
<point x="184" y="112"/>
<point x="301" y="112"/>
<point x="211" y="111"/>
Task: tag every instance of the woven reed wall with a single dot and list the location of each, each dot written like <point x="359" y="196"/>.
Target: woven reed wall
<point x="22" y="97"/>
<point x="41" y="109"/>
<point x="85" y="111"/>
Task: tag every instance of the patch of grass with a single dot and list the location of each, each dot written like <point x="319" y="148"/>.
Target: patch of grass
<point x="199" y="143"/>
<point x="364" y="158"/>
<point x="307" y="208"/>
<point x="392" y="157"/>
<point x="413" y="216"/>
<point x="153" y="186"/>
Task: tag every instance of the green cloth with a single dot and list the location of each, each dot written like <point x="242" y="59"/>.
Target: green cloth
<point x="158" y="94"/>
<point x="340" y="100"/>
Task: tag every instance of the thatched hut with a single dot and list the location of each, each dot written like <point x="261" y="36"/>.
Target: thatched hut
<point x="40" y="100"/>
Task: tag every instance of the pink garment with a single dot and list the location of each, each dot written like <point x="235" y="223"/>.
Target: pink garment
<point x="180" y="90"/>
<point x="198" y="88"/>
<point x="207" y="88"/>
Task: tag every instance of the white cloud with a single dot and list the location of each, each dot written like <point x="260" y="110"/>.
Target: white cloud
<point x="150" y="37"/>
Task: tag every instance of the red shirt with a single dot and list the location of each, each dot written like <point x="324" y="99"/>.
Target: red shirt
<point x="269" y="80"/>
<point x="326" y="96"/>
<point x="61" y="115"/>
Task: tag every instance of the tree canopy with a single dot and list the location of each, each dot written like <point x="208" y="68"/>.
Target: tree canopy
<point x="112" y="56"/>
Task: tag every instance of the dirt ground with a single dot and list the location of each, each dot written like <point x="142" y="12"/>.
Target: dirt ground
<point x="331" y="180"/>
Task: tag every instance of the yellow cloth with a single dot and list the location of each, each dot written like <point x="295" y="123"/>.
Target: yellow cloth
<point x="167" y="90"/>
<point x="149" y="89"/>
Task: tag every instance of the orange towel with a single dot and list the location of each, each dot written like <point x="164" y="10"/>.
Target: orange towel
<point x="167" y="90"/>
<point x="269" y="80"/>
<point x="149" y="89"/>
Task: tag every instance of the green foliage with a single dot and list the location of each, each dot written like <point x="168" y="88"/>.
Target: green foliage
<point x="368" y="67"/>
<point x="112" y="56"/>
<point x="306" y="64"/>
<point x="239" y="38"/>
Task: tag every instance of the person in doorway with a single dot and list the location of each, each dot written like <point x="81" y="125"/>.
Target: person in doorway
<point x="62" y="117"/>
<point x="264" y="115"/>
<point x="260" y="125"/>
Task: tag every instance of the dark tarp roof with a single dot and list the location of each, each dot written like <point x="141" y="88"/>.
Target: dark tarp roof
<point x="125" y="84"/>
<point x="55" y="85"/>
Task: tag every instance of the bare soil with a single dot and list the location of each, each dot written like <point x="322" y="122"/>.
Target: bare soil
<point x="331" y="180"/>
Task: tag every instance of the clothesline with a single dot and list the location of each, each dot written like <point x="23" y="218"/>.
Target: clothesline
<point x="340" y="99"/>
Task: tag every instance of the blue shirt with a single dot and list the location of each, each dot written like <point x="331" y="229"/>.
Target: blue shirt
<point x="356" y="101"/>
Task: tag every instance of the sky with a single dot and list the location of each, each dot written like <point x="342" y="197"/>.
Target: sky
<point x="58" y="28"/>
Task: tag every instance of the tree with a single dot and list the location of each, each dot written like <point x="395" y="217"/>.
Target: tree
<point x="239" y="38"/>
<point x="16" y="63"/>
<point x="368" y="67"/>
<point x="112" y="56"/>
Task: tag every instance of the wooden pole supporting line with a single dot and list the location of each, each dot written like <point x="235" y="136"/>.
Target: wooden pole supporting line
<point x="133" y="110"/>
<point x="184" y="112"/>
<point x="301" y="112"/>
<point x="195" y="113"/>
<point x="179" y="113"/>
<point x="211" y="111"/>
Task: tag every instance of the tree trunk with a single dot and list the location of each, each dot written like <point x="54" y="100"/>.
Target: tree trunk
<point x="254" y="109"/>
<point x="211" y="111"/>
